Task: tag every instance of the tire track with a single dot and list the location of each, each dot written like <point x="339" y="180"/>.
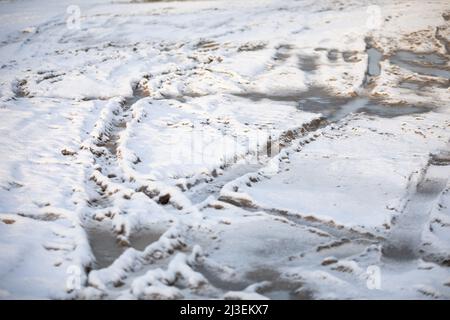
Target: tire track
<point x="404" y="240"/>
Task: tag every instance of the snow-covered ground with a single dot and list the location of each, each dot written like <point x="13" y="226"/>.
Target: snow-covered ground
<point x="225" y="149"/>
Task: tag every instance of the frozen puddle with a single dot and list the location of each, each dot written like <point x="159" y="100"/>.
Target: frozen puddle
<point x="417" y="85"/>
<point x="273" y="285"/>
<point x="334" y="108"/>
<point x="429" y="64"/>
<point x="374" y="57"/>
<point x="277" y="287"/>
<point x="214" y="278"/>
<point x="106" y="248"/>
<point x="307" y="63"/>
<point x="373" y="65"/>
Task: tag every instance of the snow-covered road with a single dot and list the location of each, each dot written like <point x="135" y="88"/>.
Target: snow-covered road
<point x="225" y="149"/>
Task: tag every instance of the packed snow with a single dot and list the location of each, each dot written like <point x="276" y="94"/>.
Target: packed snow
<point x="294" y="149"/>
